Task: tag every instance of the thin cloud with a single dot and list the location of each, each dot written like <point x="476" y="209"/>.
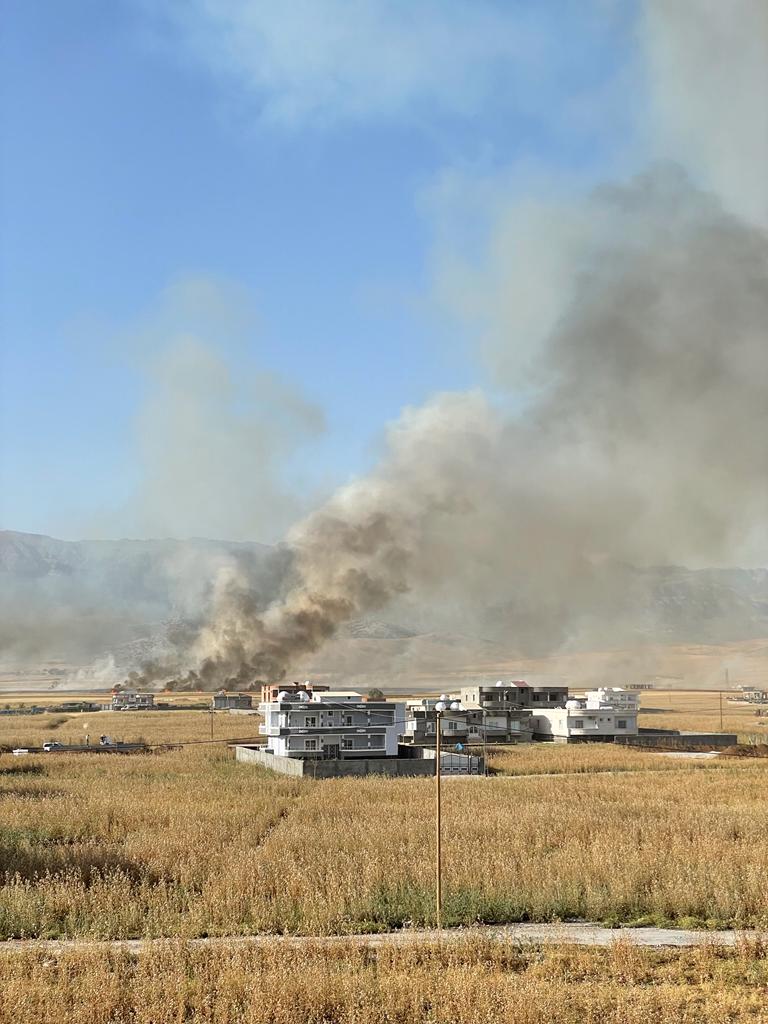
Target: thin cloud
<point x="320" y="61"/>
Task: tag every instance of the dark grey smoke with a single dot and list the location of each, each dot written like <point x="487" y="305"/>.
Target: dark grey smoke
<point x="647" y="444"/>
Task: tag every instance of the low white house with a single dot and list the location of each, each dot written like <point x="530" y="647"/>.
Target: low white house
<point x="331" y="724"/>
<point x="576" y="722"/>
<point x="613" y="697"/>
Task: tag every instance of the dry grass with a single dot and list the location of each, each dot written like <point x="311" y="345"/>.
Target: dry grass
<point x="560" y="758"/>
<point x="190" y="843"/>
<point x="699" y="711"/>
<point x="128" y="726"/>
<point x="469" y="982"/>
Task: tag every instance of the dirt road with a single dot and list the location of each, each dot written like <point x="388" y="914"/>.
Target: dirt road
<point x="582" y="934"/>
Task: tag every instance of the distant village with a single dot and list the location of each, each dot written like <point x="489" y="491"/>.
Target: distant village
<point x="313" y="729"/>
<point x="310" y="728"/>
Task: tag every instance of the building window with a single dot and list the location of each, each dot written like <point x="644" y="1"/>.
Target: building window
<point x="346" y="743"/>
<point x="347" y="719"/>
<point x="310" y="744"/>
<point x="621" y="723"/>
<point x="310" y="722"/>
<point x="536" y="696"/>
<point x="578" y="724"/>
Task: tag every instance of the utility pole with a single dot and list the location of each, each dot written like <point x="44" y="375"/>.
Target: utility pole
<point x="721" y="709"/>
<point x="438" y="824"/>
<point x="211" y="713"/>
<point x="485" y="741"/>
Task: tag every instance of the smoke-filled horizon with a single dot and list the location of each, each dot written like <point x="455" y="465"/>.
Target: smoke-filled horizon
<point x="644" y="444"/>
<point x="636" y="319"/>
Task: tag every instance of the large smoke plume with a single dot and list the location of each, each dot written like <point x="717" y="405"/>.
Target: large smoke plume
<point x="644" y="442"/>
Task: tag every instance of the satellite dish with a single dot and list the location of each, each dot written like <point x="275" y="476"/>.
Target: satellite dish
<point x="455" y="705"/>
<point x="283" y="695"/>
<point x="499" y="683"/>
<point x="440" y="706"/>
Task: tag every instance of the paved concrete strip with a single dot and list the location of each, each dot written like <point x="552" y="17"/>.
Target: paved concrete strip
<point x="581" y="934"/>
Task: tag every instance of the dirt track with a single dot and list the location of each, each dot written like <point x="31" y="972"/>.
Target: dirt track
<point x="582" y="934"/>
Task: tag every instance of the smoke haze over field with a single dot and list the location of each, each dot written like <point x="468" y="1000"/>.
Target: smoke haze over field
<point x="622" y="421"/>
<point x="645" y="441"/>
<point x="645" y="445"/>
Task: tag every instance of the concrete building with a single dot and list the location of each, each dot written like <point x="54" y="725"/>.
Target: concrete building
<point x="333" y="724"/>
<point x="754" y="696"/>
<point x="223" y="701"/>
<point x="613" y="697"/>
<point x="132" y="700"/>
<point x="269" y="691"/>
<point x="420" y="725"/>
<point x="497" y="713"/>
<point x="494" y="720"/>
<point x="577" y="723"/>
<point x="515" y="694"/>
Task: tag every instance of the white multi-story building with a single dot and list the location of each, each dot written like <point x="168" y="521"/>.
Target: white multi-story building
<point x="331" y="724"/>
<point x="420" y="724"/>
<point x="615" y="697"/>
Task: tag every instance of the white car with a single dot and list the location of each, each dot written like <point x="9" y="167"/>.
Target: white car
<point x="19" y="751"/>
<point x="50" y="745"/>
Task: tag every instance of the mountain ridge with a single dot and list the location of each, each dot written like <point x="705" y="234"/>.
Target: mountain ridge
<point x="87" y="598"/>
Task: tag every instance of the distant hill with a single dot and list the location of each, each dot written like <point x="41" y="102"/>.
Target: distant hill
<point x="77" y="599"/>
<point x="131" y="562"/>
<point x="130" y="598"/>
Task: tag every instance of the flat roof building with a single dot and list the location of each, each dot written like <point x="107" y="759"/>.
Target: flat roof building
<point x="613" y="697"/>
<point x="269" y="691"/>
<point x="223" y="701"/>
<point x="577" y="723"/>
<point x="131" y="700"/>
<point x="334" y="724"/>
<point x="515" y="694"/>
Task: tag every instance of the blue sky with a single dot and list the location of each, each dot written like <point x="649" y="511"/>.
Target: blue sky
<point x="284" y="153"/>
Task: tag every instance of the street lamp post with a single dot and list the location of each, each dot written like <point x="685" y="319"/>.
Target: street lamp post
<point x="438" y="826"/>
<point x="441" y="706"/>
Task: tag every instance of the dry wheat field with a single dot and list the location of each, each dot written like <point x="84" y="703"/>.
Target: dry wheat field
<point x="467" y="982"/>
<point x="472" y="981"/>
<point x="189" y="843"/>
